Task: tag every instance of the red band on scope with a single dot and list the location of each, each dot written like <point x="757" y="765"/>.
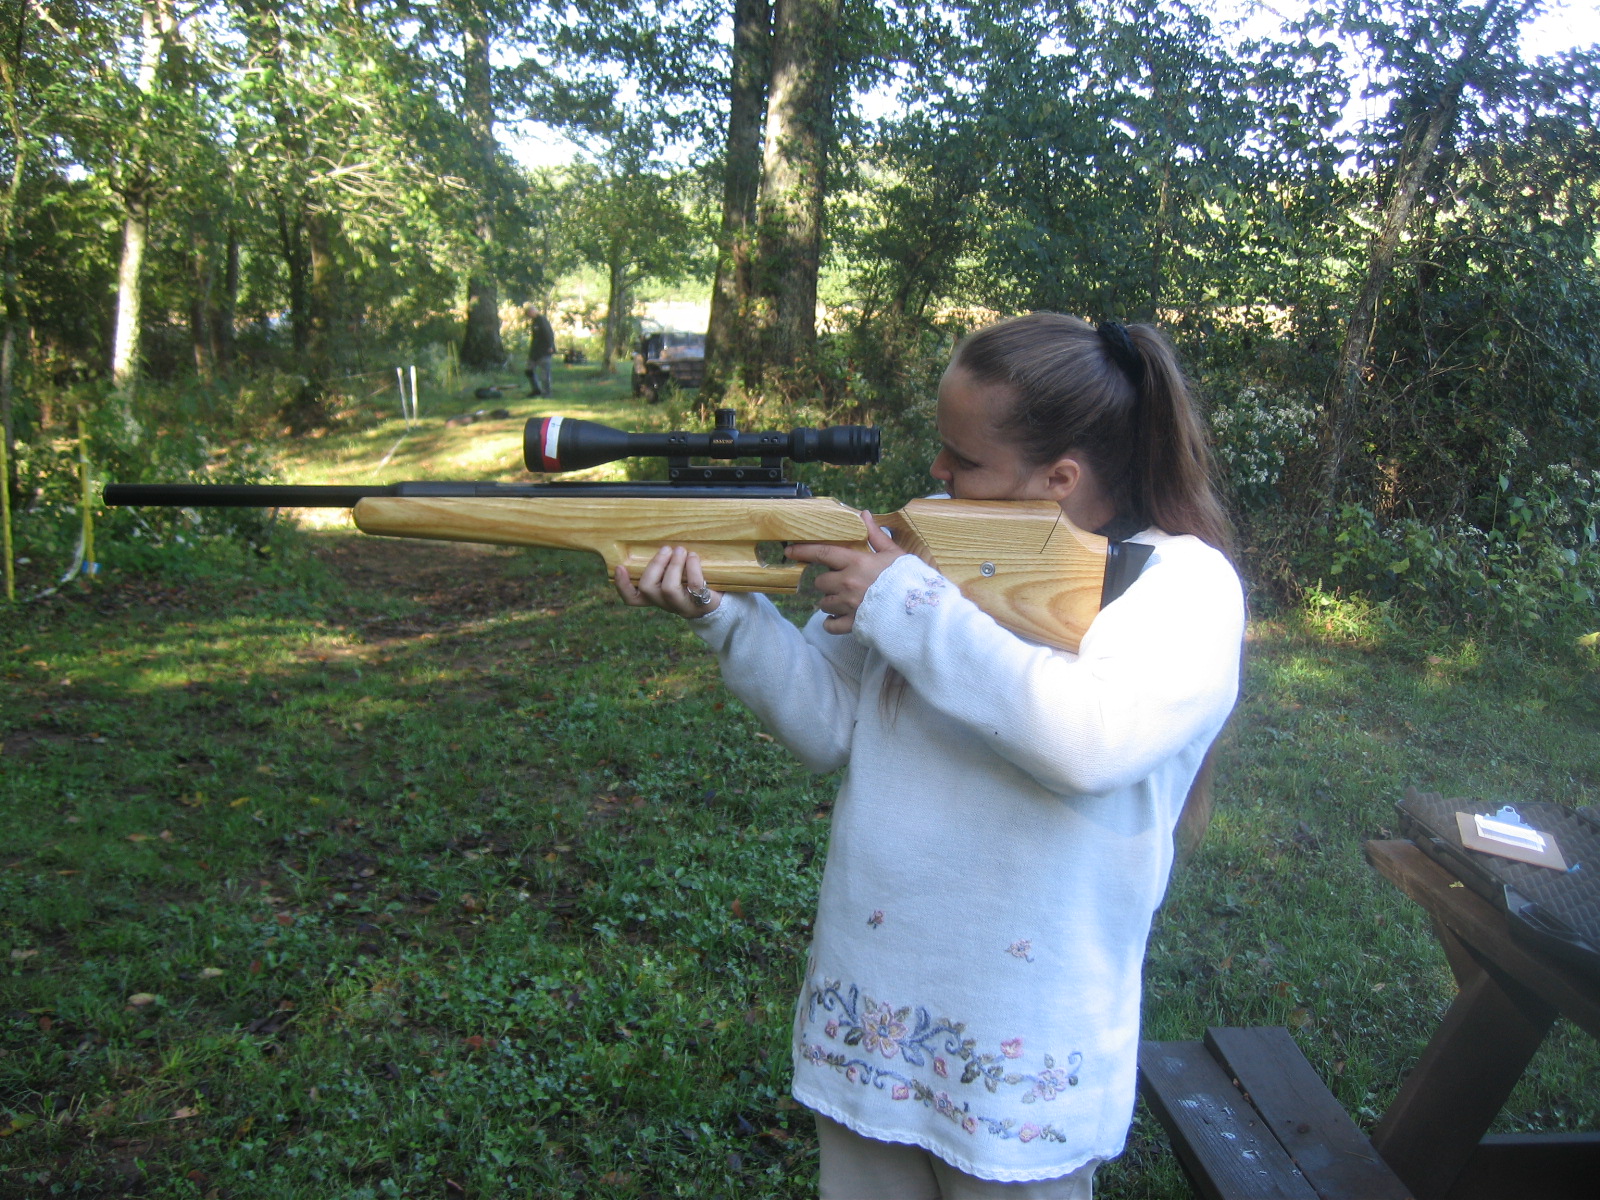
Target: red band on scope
<point x="549" y="438"/>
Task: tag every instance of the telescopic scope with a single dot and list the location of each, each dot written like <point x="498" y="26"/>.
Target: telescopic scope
<point x="567" y="444"/>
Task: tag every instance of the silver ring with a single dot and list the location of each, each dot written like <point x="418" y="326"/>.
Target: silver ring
<point x="699" y="595"/>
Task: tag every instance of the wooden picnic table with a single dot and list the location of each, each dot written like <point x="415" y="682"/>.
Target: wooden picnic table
<point x="1434" y="1134"/>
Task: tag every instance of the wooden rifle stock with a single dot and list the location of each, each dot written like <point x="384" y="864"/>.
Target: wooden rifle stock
<point x="1022" y="562"/>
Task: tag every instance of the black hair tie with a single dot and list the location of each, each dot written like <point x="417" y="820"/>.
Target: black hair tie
<point x="1123" y="352"/>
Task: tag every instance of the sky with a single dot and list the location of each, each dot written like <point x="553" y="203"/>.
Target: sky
<point x="1566" y="25"/>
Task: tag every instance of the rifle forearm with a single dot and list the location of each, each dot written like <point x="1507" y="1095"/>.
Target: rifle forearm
<point x="627" y="532"/>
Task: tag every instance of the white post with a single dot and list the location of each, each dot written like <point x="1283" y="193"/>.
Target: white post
<point x="405" y="413"/>
<point x="415" y="413"/>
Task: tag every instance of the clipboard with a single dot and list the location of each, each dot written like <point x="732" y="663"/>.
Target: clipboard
<point x="1550" y="856"/>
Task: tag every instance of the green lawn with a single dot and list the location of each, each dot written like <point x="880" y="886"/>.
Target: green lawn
<point x="396" y="869"/>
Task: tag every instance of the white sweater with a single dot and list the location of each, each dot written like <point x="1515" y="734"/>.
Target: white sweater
<point x="1001" y="840"/>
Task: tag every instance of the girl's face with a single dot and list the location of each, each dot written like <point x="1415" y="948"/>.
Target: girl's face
<point x="977" y="462"/>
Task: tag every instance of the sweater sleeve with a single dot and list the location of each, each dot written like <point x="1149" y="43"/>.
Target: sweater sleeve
<point x="1157" y="669"/>
<point x="802" y="684"/>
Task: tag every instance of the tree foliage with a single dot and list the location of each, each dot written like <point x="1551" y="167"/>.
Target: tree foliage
<point x="1387" y="313"/>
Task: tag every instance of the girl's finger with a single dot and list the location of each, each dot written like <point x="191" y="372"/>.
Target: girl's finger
<point x="672" y="573"/>
<point x="695" y="577"/>
<point x="877" y="537"/>
<point x="650" y="581"/>
<point x="625" y="588"/>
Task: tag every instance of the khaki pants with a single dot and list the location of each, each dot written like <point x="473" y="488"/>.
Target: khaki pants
<point x="861" y="1168"/>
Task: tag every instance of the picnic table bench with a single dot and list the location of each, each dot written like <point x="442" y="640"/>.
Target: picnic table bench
<point x="1249" y="1119"/>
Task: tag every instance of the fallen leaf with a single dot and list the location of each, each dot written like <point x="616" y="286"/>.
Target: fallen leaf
<point x="19" y="955"/>
<point x="19" y="1122"/>
<point x="141" y="999"/>
<point x="210" y="972"/>
<point x="1299" y="1018"/>
<point x="183" y="1114"/>
<point x="138" y="837"/>
<point x="738" y="908"/>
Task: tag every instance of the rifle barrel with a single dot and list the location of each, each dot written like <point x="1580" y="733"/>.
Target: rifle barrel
<point x="335" y="495"/>
<point x="240" y="495"/>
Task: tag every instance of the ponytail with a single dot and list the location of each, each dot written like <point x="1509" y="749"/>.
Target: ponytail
<point x="1116" y="396"/>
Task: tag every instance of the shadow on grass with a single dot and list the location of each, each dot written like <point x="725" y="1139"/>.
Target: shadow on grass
<point x="439" y="873"/>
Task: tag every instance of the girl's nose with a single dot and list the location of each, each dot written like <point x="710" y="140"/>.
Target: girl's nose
<point x="939" y="468"/>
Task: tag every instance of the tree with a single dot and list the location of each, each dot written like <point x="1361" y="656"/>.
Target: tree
<point x="143" y="128"/>
<point x="635" y="222"/>
<point x="1436" y="49"/>
<point x="794" y="182"/>
<point x="481" y="347"/>
<point x="726" y="344"/>
<point x="345" y="153"/>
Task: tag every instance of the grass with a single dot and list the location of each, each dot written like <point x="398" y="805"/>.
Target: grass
<point x="397" y="869"/>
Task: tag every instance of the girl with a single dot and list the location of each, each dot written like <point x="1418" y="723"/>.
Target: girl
<point x="969" y="1021"/>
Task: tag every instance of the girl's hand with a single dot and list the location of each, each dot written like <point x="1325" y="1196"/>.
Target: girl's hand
<point x="672" y="581"/>
<point x="850" y="573"/>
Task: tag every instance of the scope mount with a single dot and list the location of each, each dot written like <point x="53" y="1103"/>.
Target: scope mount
<point x="680" y="471"/>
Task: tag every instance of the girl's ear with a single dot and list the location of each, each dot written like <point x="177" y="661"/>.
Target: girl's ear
<point x="1063" y="477"/>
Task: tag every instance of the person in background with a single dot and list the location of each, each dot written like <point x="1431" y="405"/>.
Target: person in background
<point x="541" y="352"/>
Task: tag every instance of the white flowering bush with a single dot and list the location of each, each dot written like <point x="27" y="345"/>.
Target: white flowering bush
<point x="1255" y="433"/>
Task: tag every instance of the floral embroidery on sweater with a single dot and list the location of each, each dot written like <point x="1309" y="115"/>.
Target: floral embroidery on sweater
<point x="932" y="586"/>
<point x="1022" y="949"/>
<point x="882" y="1034"/>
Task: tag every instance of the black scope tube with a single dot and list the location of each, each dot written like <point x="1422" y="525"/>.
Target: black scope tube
<point x="568" y="444"/>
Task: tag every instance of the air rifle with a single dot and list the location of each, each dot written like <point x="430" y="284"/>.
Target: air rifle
<point x="1022" y="562"/>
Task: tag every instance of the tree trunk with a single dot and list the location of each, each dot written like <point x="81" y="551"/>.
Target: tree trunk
<point x="730" y="295"/>
<point x="202" y="278"/>
<point x="228" y="305"/>
<point x="10" y="302"/>
<point x="291" y="240"/>
<point x="481" y="346"/>
<point x="1346" y="394"/>
<point x="157" y="27"/>
<point x="130" y="303"/>
<point x="309" y="408"/>
<point x="8" y="367"/>
<point x="619" y="312"/>
<point x="793" y="188"/>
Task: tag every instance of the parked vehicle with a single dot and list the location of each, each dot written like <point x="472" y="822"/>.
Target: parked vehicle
<point x="668" y="356"/>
